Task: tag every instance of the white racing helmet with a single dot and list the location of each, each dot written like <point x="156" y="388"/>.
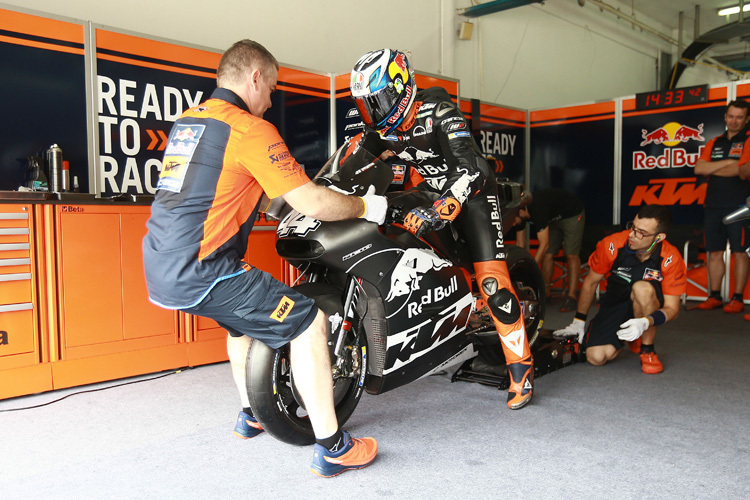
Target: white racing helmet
<point x="383" y="88"/>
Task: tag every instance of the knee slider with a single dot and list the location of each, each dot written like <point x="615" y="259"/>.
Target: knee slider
<point x="504" y="306"/>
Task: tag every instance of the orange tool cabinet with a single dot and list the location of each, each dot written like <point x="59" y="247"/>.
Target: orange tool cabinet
<point x="107" y="326"/>
<point x="74" y="305"/>
<point x="23" y="349"/>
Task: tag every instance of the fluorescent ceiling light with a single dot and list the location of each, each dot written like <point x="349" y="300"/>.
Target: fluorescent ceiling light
<point x="728" y="11"/>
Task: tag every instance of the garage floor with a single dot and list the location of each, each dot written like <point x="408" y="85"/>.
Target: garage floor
<point x="600" y="433"/>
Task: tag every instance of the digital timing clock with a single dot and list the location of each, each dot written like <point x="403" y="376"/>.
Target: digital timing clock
<point x="669" y="98"/>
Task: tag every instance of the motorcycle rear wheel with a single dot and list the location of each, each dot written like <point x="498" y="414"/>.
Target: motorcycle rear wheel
<point x="275" y="400"/>
<point x="528" y="284"/>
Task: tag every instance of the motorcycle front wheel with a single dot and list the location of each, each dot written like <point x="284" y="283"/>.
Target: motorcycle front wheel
<point x="274" y="398"/>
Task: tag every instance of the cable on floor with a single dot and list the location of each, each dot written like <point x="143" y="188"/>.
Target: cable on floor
<point x="96" y="390"/>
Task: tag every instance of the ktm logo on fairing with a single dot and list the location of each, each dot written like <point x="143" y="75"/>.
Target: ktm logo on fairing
<point x="675" y="191"/>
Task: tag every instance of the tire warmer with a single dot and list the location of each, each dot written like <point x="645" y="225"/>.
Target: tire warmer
<point x="496" y="289"/>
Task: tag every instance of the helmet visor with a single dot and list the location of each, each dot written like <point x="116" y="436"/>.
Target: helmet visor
<point x="375" y="108"/>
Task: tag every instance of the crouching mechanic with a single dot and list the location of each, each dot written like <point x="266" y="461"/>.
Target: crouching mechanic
<point x="220" y="158"/>
<point x="427" y="130"/>
<point x="647" y="278"/>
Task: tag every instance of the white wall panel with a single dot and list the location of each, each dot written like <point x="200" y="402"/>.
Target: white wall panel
<point x="535" y="56"/>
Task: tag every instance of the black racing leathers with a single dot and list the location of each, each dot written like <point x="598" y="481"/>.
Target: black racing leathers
<point x="439" y="146"/>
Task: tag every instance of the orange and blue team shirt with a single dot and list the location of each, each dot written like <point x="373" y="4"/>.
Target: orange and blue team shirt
<point x="727" y="192"/>
<point x="664" y="265"/>
<point x="218" y="162"/>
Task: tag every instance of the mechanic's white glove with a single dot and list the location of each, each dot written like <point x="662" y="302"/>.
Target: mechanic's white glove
<point x="575" y="329"/>
<point x="376" y="207"/>
<point x="632" y="329"/>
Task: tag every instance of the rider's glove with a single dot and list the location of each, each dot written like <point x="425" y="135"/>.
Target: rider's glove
<point x="632" y="329"/>
<point x="447" y="208"/>
<point x="376" y="207"/>
<point x="575" y="329"/>
<point x="422" y="220"/>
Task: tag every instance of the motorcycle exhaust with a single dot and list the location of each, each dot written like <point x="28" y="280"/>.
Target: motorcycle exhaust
<point x="739" y="214"/>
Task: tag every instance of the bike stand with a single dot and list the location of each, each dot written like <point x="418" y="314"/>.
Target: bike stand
<point x="550" y="354"/>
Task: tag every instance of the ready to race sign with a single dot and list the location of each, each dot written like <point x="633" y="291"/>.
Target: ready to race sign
<point x="659" y="151"/>
<point x="142" y="87"/>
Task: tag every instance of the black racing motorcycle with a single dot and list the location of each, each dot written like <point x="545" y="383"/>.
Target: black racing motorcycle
<point x="399" y="308"/>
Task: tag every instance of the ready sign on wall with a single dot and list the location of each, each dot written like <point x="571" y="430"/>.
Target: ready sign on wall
<point x="143" y="86"/>
<point x="499" y="133"/>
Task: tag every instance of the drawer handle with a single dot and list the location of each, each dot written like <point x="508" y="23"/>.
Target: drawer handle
<point x="15" y="277"/>
<point x="14" y="230"/>
<point x="16" y="307"/>
<point x="14" y="262"/>
<point x="14" y="246"/>
<point x="7" y="216"/>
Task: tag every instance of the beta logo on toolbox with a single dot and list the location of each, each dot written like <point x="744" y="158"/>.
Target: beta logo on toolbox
<point x="283" y="309"/>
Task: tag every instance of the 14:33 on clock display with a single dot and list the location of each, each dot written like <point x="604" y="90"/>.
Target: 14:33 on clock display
<point x="674" y="97"/>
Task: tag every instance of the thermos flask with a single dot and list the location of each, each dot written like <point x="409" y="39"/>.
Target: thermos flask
<point x="54" y="163"/>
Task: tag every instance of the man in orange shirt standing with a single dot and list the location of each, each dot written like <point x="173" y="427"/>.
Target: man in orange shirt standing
<point x="720" y="163"/>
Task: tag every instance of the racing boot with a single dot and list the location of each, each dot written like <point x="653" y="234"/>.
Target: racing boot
<point x="521" y="383"/>
<point x="496" y="289"/>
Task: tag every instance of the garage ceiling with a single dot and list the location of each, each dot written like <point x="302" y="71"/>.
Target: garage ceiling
<point x="726" y="40"/>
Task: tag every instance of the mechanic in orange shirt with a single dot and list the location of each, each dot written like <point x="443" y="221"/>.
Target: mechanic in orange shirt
<point x="220" y="159"/>
<point x="647" y="276"/>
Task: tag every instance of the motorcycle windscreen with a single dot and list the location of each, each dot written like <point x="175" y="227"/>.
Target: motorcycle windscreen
<point x="427" y="305"/>
<point x="356" y="173"/>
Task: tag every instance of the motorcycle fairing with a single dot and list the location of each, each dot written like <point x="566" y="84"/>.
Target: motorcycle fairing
<point x="427" y="307"/>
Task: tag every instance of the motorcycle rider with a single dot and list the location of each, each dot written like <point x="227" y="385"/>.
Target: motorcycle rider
<point x="426" y="129"/>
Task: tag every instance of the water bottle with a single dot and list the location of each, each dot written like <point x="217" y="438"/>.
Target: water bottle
<point x="54" y="163"/>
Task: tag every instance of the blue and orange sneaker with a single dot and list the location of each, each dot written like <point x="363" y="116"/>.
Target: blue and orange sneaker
<point x="521" y="383"/>
<point x="356" y="454"/>
<point x="246" y="427"/>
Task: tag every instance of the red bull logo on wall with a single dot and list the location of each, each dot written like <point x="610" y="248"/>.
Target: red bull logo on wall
<point x="669" y="135"/>
<point x="672" y="134"/>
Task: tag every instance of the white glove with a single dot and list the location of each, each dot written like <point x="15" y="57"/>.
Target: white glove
<point x="575" y="329"/>
<point x="376" y="207"/>
<point x="632" y="329"/>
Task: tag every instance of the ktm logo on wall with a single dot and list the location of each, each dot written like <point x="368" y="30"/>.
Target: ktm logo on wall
<point x="675" y="191"/>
